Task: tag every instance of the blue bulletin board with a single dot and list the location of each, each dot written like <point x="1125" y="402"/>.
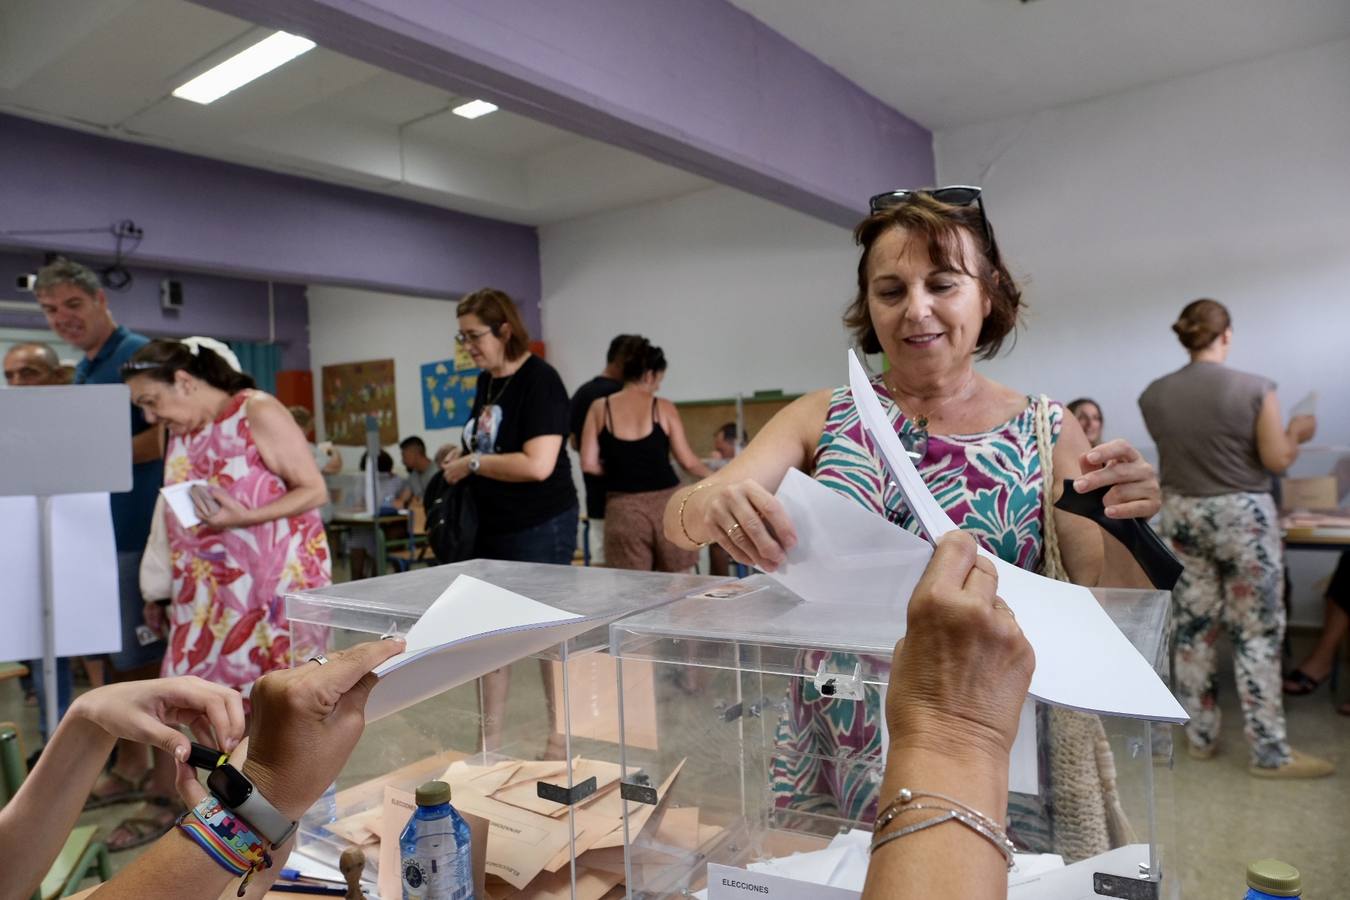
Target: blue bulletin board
<point x="448" y="387"/>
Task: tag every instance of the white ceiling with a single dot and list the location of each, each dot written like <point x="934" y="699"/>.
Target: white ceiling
<point x="109" y="67"/>
<point x="946" y="63"/>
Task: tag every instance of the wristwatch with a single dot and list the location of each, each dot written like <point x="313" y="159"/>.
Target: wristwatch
<point x="237" y="794"/>
<point x="475" y="460"/>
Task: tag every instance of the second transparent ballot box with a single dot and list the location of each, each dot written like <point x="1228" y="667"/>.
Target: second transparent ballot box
<point x="532" y="747"/>
<point x="772" y="738"/>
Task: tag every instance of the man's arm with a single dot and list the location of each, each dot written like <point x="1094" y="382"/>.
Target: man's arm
<point x="148" y="445"/>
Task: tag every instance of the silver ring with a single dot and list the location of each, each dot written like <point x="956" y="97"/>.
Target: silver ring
<point x="320" y="659"/>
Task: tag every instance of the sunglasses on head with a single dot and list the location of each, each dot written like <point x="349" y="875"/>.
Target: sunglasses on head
<point x="954" y="195"/>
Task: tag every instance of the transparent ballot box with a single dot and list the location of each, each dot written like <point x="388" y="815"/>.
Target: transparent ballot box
<point x="532" y="747"/>
<point x="771" y="740"/>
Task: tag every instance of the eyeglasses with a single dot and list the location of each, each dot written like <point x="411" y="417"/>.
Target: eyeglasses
<point x="472" y="337"/>
<point x="955" y="195"/>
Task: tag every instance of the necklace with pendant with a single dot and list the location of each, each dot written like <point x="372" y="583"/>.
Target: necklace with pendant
<point x="915" y="441"/>
<point x="493" y="398"/>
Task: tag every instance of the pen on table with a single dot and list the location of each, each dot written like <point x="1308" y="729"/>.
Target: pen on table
<point x="296" y="887"/>
<point x="289" y="874"/>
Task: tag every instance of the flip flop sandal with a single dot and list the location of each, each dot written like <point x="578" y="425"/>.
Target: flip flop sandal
<point x="144" y="829"/>
<point x="128" y="791"/>
<point x="1303" y="683"/>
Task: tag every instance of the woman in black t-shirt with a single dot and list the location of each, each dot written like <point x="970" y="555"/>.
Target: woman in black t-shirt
<point x="517" y="468"/>
<point x="513" y="441"/>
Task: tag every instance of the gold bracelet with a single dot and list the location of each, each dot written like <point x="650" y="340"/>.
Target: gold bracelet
<point x="687" y="536"/>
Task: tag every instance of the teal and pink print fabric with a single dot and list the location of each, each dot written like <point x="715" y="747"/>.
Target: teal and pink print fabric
<point x="227" y="616"/>
<point x="990" y="484"/>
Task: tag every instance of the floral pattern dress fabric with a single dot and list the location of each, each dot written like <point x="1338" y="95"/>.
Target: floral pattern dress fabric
<point x="227" y="616"/>
<point x="990" y="484"/>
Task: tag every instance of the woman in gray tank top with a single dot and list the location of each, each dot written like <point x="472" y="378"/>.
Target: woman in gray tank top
<point x="1220" y="439"/>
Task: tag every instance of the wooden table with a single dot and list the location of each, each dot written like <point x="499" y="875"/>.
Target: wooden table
<point x="1319" y="538"/>
<point x="378" y="525"/>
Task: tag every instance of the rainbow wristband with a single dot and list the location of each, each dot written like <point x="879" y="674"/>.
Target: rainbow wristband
<point x="225" y="837"/>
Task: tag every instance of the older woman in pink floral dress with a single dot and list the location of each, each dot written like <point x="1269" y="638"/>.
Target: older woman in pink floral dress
<point x="260" y="535"/>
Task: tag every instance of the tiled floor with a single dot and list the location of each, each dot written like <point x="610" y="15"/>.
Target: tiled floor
<point x="1223" y="816"/>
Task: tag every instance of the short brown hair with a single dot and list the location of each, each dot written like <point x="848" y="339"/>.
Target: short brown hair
<point x="496" y="309"/>
<point x="1200" y="323"/>
<point x="941" y="225"/>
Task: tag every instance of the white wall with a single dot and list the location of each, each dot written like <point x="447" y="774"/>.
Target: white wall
<point x="347" y="325"/>
<point x="1233" y="184"/>
<point x="742" y="295"/>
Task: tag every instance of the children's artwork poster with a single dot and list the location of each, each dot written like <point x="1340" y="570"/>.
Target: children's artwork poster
<point x="448" y="387"/>
<point x="352" y="391"/>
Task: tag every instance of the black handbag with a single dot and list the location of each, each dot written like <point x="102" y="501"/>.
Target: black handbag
<point x="452" y="519"/>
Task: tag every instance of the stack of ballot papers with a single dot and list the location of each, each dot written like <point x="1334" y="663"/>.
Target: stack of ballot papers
<point x="837" y="872"/>
<point x="473" y="628"/>
<point x="530" y="842"/>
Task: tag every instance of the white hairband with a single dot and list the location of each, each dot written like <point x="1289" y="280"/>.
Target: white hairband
<point x="197" y="342"/>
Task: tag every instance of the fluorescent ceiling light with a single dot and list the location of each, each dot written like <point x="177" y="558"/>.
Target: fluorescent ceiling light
<point x="243" y="67"/>
<point x="474" y="108"/>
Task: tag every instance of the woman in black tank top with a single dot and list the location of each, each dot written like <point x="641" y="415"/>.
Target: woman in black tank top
<point x="628" y="439"/>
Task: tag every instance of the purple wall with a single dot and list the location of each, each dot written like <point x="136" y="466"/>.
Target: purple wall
<point x="695" y="83"/>
<point x="215" y="306"/>
<point x="205" y="216"/>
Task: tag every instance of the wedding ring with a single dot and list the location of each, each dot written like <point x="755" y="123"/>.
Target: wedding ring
<point x="320" y="659"/>
<point x="731" y="532"/>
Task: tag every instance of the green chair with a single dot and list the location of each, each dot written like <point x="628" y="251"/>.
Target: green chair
<point x="81" y="857"/>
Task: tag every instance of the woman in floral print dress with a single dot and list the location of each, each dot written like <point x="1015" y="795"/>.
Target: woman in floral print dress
<point x="932" y="296"/>
<point x="260" y="535"/>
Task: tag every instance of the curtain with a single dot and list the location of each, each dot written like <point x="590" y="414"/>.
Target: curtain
<point x="262" y="361"/>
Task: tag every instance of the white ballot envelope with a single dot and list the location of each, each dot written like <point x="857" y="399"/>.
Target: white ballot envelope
<point x="849" y="556"/>
<point x="845" y="553"/>
<point x="1083" y="661"/>
<point x="179" y="498"/>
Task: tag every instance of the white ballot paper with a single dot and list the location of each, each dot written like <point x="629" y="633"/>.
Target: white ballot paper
<point x="1083" y="661"/>
<point x="845" y="553"/>
<point x="837" y="872"/>
<point x="1305" y="407"/>
<point x="473" y="628"/>
<point x="179" y="498"/>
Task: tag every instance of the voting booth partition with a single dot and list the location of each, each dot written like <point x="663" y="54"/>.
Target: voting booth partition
<point x="62" y="458"/>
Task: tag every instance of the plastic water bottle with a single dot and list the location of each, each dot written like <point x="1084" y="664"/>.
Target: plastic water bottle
<point x="1270" y="879"/>
<point x="435" y="849"/>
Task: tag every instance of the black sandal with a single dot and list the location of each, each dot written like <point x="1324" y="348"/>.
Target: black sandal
<point x="1299" y="683"/>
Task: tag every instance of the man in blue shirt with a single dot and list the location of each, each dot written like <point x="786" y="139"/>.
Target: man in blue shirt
<point x="76" y="308"/>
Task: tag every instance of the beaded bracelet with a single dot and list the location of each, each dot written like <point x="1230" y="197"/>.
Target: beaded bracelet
<point x="226" y="838"/>
<point x="687" y="536"/>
